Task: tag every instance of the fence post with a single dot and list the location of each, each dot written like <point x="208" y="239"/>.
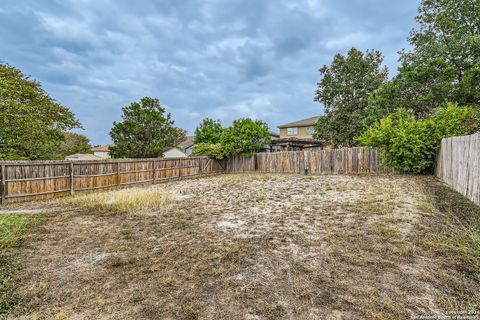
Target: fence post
<point x="180" y="167"/>
<point x="200" y="169"/>
<point x="72" y="177"/>
<point x="154" y="164"/>
<point x="118" y="174"/>
<point x="3" y="186"/>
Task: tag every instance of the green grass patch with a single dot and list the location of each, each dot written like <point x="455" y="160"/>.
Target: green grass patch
<point x="12" y="228"/>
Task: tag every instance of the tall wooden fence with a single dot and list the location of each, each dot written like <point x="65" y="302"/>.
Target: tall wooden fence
<point x="33" y="180"/>
<point x="330" y="161"/>
<point x="458" y="165"/>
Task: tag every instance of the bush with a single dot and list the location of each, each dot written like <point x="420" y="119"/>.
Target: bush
<point x="213" y="150"/>
<point x="408" y="144"/>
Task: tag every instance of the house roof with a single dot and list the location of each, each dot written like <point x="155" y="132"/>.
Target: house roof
<point x="298" y="141"/>
<point x="168" y="151"/>
<point x="274" y="134"/>
<point x="188" y="142"/>
<point x="301" y="123"/>
<point x="104" y="148"/>
<point x="82" y="156"/>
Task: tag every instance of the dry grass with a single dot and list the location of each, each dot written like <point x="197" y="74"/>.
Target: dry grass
<point x="133" y="200"/>
<point x="258" y="247"/>
<point x="453" y="239"/>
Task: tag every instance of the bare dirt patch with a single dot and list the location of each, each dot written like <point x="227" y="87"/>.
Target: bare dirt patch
<point x="244" y="247"/>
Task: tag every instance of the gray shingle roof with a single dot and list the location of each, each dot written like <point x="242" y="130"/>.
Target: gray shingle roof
<point x="188" y="142"/>
<point x="301" y="123"/>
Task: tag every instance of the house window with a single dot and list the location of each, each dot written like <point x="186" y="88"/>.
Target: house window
<point x="310" y="130"/>
<point x="292" y="131"/>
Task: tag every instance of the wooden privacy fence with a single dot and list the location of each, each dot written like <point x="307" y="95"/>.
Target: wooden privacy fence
<point x="34" y="180"/>
<point x="317" y="162"/>
<point x="458" y="165"/>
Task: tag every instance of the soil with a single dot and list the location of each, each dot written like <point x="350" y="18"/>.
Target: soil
<point x="260" y="246"/>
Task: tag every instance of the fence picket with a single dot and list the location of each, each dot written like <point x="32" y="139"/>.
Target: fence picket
<point x="35" y="180"/>
<point x="318" y="162"/>
<point x="458" y="165"/>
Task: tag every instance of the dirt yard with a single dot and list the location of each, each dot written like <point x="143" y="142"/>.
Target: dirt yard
<point x="257" y="247"/>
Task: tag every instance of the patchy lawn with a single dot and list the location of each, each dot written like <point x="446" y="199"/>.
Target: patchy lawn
<point x="256" y="247"/>
<point x="12" y="228"/>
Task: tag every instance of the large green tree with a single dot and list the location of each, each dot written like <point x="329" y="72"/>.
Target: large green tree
<point x="32" y="124"/>
<point x="245" y="136"/>
<point x="145" y="131"/>
<point x="344" y="90"/>
<point x="443" y="64"/>
<point x="74" y="143"/>
<point x="208" y="131"/>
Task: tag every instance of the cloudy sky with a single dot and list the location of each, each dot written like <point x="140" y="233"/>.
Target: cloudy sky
<point x="224" y="59"/>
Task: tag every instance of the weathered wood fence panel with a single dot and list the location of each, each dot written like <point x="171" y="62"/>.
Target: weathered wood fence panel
<point x="35" y="180"/>
<point x="318" y="162"/>
<point x="458" y="165"/>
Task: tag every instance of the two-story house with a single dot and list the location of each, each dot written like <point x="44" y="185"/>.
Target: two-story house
<point x="297" y="135"/>
<point x="300" y="129"/>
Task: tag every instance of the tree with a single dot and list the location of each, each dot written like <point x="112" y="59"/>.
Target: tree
<point x="74" y="143"/>
<point x="212" y="150"/>
<point x="245" y="136"/>
<point x="208" y="131"/>
<point x="145" y="131"/>
<point x="409" y="144"/>
<point x="32" y="124"/>
<point x="444" y="62"/>
<point x="344" y="90"/>
<point x="418" y="89"/>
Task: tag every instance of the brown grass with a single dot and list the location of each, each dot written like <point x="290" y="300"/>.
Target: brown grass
<point x="132" y="200"/>
<point x="257" y="247"/>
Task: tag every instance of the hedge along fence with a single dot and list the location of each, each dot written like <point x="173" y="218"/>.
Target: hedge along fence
<point x="458" y="165"/>
<point x="35" y="180"/>
<point x="316" y="162"/>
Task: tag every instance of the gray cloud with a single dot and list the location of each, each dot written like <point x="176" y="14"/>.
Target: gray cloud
<point x="216" y="58"/>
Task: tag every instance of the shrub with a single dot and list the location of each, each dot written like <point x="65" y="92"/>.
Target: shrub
<point x="408" y="144"/>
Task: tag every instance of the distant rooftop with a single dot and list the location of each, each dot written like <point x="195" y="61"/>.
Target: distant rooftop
<point x="274" y="134"/>
<point x="301" y="123"/>
<point x="82" y="156"/>
<point x="104" y="148"/>
<point x="188" y="142"/>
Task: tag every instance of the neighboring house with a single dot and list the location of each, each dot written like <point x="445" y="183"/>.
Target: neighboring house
<point x="174" y="152"/>
<point x="102" y="151"/>
<point x="187" y="145"/>
<point x="299" y="129"/>
<point x="82" y="157"/>
<point x="297" y="135"/>
<point x="183" y="150"/>
<point x="273" y="136"/>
